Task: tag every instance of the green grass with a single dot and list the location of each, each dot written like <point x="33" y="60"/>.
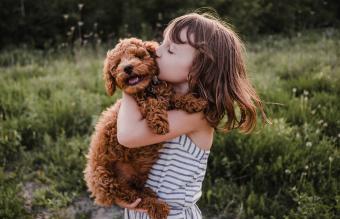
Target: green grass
<point x="49" y="104"/>
<point x="289" y="169"/>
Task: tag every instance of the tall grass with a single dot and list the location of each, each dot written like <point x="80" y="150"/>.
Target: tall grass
<point x="289" y="169"/>
<point x="50" y="102"/>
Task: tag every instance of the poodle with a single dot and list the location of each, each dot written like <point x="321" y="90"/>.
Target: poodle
<point x="113" y="171"/>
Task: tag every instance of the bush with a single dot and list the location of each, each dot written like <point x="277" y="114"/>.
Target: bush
<point x="266" y="175"/>
<point x="288" y="170"/>
<point x="11" y="204"/>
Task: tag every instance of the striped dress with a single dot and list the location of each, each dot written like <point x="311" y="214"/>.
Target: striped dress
<point x="177" y="178"/>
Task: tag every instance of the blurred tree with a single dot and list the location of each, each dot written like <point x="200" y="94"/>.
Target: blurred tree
<point x="42" y="23"/>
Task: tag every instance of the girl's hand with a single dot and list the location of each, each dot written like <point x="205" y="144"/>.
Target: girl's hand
<point x="131" y="206"/>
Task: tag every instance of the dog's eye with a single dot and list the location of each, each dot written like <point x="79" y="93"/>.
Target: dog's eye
<point x="140" y="56"/>
<point x="116" y="63"/>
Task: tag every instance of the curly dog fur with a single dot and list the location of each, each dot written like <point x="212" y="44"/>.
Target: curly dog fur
<point x="114" y="171"/>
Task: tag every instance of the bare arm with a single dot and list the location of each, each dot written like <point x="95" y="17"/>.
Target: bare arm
<point x="133" y="131"/>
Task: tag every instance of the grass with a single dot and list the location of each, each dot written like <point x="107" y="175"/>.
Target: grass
<point x="49" y="103"/>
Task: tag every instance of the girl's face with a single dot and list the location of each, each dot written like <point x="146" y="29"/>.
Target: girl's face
<point x="175" y="60"/>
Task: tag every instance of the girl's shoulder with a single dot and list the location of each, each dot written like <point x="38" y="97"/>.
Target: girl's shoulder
<point x="202" y="136"/>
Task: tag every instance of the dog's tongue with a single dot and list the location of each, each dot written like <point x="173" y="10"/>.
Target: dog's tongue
<point x="133" y="80"/>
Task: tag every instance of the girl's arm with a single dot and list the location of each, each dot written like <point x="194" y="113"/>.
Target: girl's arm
<point x="133" y="131"/>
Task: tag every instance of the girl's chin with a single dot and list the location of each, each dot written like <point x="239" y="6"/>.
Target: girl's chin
<point x="160" y="77"/>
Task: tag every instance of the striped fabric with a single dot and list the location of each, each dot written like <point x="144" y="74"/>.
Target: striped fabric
<point x="177" y="178"/>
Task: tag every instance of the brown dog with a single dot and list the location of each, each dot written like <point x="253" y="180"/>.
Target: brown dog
<point x="117" y="172"/>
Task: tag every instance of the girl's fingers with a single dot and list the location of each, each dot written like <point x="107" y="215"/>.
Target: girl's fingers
<point x="140" y="210"/>
<point x="134" y="205"/>
<point x="125" y="204"/>
<point x="131" y="206"/>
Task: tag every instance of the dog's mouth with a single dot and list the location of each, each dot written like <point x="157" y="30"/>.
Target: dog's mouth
<point x="134" y="79"/>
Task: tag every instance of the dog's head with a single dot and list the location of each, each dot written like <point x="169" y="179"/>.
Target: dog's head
<point x="131" y="65"/>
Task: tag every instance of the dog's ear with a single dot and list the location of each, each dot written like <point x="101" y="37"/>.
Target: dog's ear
<point x="110" y="82"/>
<point x="151" y="47"/>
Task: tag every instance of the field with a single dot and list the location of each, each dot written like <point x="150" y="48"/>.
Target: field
<point x="50" y="102"/>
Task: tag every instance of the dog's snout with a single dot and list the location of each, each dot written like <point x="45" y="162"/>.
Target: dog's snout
<point x="128" y="69"/>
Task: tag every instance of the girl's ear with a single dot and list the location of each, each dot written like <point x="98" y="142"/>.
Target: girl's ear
<point x="151" y="47"/>
<point x="110" y="82"/>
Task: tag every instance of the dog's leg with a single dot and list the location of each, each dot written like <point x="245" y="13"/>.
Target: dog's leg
<point x="157" y="209"/>
<point x="100" y="183"/>
<point x="188" y="103"/>
<point x="149" y="192"/>
<point x="101" y="157"/>
<point x="156" y="115"/>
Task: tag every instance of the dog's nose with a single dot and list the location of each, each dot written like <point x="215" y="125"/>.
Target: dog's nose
<point x="128" y="69"/>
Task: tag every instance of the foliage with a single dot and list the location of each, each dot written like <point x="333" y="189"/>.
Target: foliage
<point x="289" y="169"/>
<point x="49" y="103"/>
<point x="11" y="205"/>
<point x="43" y="24"/>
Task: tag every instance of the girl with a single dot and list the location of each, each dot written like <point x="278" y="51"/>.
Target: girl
<point x="202" y="55"/>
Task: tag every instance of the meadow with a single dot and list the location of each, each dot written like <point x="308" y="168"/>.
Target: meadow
<point x="50" y="102"/>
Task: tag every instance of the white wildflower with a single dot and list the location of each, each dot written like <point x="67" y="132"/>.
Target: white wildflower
<point x="298" y="135"/>
<point x="65" y="16"/>
<point x="320" y="121"/>
<point x="80" y="6"/>
<point x="308" y="144"/>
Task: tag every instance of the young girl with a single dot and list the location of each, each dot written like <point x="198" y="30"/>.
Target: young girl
<point x="202" y="55"/>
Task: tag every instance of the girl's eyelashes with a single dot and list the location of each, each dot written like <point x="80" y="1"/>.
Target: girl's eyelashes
<point x="169" y="51"/>
<point x="161" y="44"/>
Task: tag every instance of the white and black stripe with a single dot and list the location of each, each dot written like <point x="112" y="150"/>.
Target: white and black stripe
<point x="177" y="178"/>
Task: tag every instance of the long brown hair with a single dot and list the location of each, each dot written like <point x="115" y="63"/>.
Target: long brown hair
<point x="218" y="71"/>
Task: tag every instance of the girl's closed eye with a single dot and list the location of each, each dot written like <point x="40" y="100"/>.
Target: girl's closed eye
<point x="169" y="50"/>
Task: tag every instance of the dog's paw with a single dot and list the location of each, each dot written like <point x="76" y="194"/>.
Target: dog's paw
<point x="196" y="105"/>
<point x="158" y="123"/>
<point x="189" y="103"/>
<point x="159" y="210"/>
<point x="161" y="128"/>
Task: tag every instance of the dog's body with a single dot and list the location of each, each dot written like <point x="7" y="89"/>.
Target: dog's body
<point x="114" y="171"/>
